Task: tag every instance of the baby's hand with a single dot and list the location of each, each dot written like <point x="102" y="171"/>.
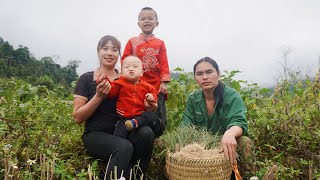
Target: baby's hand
<point x="150" y="98"/>
<point x="150" y="103"/>
<point x="150" y="106"/>
<point x="101" y="77"/>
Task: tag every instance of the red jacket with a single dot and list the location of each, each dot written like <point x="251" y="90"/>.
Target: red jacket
<point x="131" y="96"/>
<point x="153" y="55"/>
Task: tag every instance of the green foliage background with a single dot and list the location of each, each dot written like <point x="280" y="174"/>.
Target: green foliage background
<point x="39" y="139"/>
<point x="36" y="122"/>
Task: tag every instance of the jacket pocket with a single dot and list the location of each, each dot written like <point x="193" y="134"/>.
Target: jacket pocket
<point x="198" y="117"/>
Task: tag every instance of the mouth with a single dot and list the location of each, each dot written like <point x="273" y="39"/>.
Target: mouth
<point x="206" y="83"/>
<point x="131" y="73"/>
<point x="109" y="59"/>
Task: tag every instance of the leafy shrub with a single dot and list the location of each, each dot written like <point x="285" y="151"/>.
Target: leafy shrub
<point x="285" y="128"/>
<point x="39" y="139"/>
<point x="38" y="134"/>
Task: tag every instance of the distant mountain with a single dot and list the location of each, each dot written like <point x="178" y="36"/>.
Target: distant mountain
<point x="20" y="63"/>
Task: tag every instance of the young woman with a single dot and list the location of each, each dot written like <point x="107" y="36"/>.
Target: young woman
<point x="220" y="109"/>
<point x="99" y="114"/>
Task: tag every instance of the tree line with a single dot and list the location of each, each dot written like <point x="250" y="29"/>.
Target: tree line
<point x="21" y="64"/>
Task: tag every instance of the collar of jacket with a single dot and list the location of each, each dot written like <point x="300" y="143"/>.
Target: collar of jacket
<point x="146" y="38"/>
<point x="218" y="94"/>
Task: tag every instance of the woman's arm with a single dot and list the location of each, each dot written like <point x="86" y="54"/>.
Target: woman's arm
<point x="229" y="142"/>
<point x="235" y="114"/>
<point x="83" y="109"/>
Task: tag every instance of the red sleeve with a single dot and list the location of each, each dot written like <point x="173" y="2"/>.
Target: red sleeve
<point x="164" y="66"/>
<point x="127" y="50"/>
<point x="114" y="89"/>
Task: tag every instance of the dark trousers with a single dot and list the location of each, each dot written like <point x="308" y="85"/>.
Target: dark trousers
<point x="147" y="118"/>
<point x="125" y="153"/>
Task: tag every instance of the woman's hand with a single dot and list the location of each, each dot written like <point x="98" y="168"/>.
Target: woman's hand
<point x="103" y="89"/>
<point x="229" y="143"/>
<point x="163" y="88"/>
<point x="229" y="146"/>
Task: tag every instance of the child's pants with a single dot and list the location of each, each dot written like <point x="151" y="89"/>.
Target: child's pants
<point x="147" y="118"/>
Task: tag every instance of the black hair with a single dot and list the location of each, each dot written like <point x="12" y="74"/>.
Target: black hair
<point x="209" y="60"/>
<point x="105" y="39"/>
<point x="149" y="8"/>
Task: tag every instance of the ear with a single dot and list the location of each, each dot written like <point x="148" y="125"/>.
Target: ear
<point x="157" y="23"/>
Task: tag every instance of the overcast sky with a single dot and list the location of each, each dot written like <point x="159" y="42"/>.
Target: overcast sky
<point x="246" y="35"/>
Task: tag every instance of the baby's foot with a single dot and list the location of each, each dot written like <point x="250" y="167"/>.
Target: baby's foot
<point x="130" y="124"/>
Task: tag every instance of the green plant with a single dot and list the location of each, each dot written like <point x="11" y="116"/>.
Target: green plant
<point x="39" y="138"/>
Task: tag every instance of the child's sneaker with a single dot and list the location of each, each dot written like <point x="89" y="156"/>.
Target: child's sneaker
<point x="131" y="124"/>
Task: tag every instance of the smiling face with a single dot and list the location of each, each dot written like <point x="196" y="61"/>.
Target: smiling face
<point x="206" y="76"/>
<point x="108" y="55"/>
<point x="131" y="69"/>
<point x="147" y="21"/>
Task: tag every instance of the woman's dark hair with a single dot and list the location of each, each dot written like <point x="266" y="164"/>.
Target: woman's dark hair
<point x="209" y="60"/>
<point x="105" y="39"/>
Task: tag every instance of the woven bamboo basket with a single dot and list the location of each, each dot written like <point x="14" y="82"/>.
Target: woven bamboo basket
<point x="216" y="168"/>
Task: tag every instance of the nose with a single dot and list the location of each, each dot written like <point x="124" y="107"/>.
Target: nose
<point x="109" y="52"/>
<point x="204" y="76"/>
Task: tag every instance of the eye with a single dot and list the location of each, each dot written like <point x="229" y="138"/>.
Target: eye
<point x="199" y="73"/>
<point x="209" y="71"/>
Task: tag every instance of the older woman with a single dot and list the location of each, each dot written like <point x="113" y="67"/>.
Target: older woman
<point x="220" y="109"/>
<point x="99" y="114"/>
